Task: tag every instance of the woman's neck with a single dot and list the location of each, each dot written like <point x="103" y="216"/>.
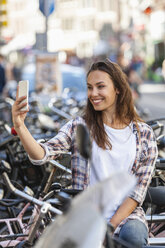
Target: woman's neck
<point x="116" y="125"/>
<point x="113" y="122"/>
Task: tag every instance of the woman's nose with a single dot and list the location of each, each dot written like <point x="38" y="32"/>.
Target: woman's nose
<point x="94" y="92"/>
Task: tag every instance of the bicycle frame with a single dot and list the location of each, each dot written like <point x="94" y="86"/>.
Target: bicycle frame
<point x="156" y="221"/>
<point x="8" y="223"/>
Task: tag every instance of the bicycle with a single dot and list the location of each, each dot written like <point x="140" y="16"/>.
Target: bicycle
<point x="29" y="231"/>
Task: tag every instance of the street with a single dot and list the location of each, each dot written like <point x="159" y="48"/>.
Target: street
<point x="153" y="100"/>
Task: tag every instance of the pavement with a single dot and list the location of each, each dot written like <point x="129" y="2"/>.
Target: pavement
<point x="152" y="87"/>
<point x="153" y="99"/>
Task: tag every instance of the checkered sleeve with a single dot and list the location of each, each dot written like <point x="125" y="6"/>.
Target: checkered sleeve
<point x="59" y="144"/>
<point x="146" y="164"/>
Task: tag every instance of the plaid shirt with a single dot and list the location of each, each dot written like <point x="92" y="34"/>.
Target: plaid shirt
<point x="143" y="167"/>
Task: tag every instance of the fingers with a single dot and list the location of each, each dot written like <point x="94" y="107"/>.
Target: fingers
<point x="19" y="113"/>
<point x="20" y="99"/>
<point x="19" y="104"/>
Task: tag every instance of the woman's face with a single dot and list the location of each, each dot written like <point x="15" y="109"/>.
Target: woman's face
<point x="101" y="91"/>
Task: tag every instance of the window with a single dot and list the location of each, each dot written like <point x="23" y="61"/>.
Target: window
<point x="67" y="24"/>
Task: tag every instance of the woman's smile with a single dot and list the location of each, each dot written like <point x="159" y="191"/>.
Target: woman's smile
<point x="97" y="101"/>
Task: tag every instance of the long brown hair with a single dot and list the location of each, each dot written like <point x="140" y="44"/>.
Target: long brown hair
<point x="125" y="111"/>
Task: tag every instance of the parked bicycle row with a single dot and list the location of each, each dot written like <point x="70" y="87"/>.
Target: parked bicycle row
<point x="23" y="217"/>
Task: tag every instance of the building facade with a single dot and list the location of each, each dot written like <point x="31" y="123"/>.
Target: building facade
<point x="87" y="27"/>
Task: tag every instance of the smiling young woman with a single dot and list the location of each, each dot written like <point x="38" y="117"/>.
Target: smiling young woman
<point x="109" y="100"/>
<point x="120" y="141"/>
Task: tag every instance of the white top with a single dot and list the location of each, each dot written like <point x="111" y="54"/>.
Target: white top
<point x="108" y="162"/>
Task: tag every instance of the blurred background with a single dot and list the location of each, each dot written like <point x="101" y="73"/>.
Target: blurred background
<point x="52" y="43"/>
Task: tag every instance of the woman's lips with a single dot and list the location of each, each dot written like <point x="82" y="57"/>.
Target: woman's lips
<point x="97" y="101"/>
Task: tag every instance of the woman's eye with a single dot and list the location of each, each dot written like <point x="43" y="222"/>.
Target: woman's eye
<point x="101" y="86"/>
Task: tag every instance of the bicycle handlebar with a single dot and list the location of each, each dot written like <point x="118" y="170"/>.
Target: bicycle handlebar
<point x="60" y="166"/>
<point x="160" y="164"/>
<point x="10" y="139"/>
<point x="59" y="112"/>
<point x="27" y="197"/>
<point x="155" y="124"/>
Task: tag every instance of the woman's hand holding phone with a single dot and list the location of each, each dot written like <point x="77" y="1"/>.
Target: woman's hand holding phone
<point x="20" y="106"/>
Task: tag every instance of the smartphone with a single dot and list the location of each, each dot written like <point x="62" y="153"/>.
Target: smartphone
<point x="23" y="90"/>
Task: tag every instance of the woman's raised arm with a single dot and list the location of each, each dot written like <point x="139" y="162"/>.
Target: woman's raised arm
<point x="34" y="150"/>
